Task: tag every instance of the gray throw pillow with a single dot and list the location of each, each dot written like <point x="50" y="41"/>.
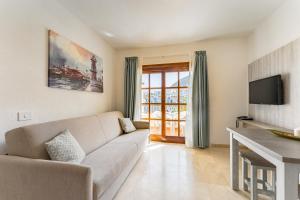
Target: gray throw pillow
<point x="64" y="147"/>
<point x="127" y="125"/>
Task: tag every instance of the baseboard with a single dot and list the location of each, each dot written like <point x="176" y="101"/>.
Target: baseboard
<point x="220" y="145"/>
<point x="226" y="146"/>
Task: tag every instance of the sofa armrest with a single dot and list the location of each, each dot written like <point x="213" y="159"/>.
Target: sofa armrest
<point x="34" y="179"/>
<point x="141" y="124"/>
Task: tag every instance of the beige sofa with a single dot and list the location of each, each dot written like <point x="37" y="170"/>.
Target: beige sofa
<point x="26" y="173"/>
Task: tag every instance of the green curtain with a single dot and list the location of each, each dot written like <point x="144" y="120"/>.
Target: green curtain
<point x="200" y="118"/>
<point x="131" y="65"/>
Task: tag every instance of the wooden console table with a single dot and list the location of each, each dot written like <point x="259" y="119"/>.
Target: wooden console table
<point x="257" y="124"/>
<point x="283" y="153"/>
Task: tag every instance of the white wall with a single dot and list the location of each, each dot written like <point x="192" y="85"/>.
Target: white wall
<point x="227" y="71"/>
<point x="276" y="30"/>
<point x="23" y="64"/>
<point x="284" y="61"/>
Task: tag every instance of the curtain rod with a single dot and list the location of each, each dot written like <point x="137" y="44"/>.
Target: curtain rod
<point x="163" y="56"/>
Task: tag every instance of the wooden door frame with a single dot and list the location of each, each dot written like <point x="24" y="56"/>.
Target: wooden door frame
<point x="163" y="69"/>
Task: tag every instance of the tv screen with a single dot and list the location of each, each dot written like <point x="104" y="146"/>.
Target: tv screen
<point x="266" y="91"/>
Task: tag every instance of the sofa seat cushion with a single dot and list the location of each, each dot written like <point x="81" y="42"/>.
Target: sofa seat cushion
<point x="138" y="137"/>
<point x="107" y="163"/>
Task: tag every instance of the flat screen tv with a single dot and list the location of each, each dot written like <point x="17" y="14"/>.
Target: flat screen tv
<point x="266" y="91"/>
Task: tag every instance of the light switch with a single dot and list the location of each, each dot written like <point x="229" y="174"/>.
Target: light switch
<point x="24" y="116"/>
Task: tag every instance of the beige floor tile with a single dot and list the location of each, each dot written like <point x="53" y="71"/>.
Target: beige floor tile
<point x="171" y="171"/>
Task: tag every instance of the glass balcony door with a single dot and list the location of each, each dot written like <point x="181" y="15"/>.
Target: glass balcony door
<point x="164" y="99"/>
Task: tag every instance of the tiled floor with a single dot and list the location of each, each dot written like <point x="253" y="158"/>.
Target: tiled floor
<point x="170" y="171"/>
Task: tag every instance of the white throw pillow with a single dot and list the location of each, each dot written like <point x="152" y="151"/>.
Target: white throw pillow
<point x="64" y="147"/>
<point x="127" y="125"/>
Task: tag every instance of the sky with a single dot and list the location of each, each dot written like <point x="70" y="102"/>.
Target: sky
<point x="64" y="51"/>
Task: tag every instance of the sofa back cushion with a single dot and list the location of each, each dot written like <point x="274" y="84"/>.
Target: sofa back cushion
<point x="29" y="141"/>
<point x="110" y="123"/>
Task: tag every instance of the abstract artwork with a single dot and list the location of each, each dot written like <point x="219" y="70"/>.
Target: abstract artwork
<point x="73" y="67"/>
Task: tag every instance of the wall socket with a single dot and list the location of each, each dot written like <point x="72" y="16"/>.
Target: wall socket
<point x="24" y="116"/>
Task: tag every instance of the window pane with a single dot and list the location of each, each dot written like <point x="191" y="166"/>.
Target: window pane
<point x="155" y="80"/>
<point x="184" y="78"/>
<point x="171" y="79"/>
<point x="184" y="93"/>
<point x="171" y="112"/>
<point x="155" y="95"/>
<point x="171" y="95"/>
<point x="171" y="128"/>
<point x="155" y="127"/>
<point x="144" y="111"/>
<point x="183" y="112"/>
<point x="145" y="96"/>
<point x="182" y="129"/>
<point x="145" y="80"/>
<point x="155" y="111"/>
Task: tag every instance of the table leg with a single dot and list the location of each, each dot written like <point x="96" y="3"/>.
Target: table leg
<point x="234" y="163"/>
<point x="253" y="182"/>
<point x="245" y="174"/>
<point x="287" y="181"/>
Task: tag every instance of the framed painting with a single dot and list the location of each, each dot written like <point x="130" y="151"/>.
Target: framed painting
<point x="73" y="67"/>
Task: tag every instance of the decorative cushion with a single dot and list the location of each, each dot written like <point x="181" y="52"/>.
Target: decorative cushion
<point x="64" y="147"/>
<point x="127" y="125"/>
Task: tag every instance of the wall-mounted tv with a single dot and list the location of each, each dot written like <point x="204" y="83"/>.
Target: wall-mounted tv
<point x="266" y="91"/>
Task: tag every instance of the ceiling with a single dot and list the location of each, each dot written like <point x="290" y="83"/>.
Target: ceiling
<point x="145" y="23"/>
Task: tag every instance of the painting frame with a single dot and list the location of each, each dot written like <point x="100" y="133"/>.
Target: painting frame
<point x="73" y="67"/>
